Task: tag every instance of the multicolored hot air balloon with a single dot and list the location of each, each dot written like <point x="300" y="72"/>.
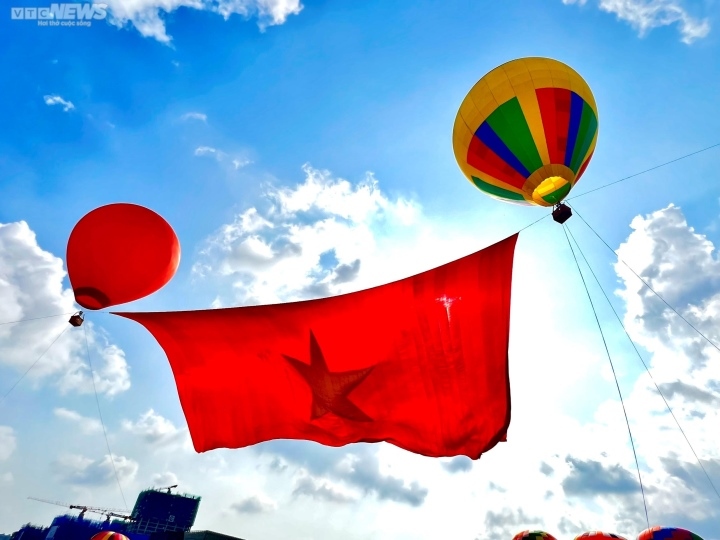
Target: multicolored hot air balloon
<point x="533" y="535"/>
<point x="109" y="535"/>
<point x="597" y="535"/>
<point x="667" y="533"/>
<point x="526" y="131"/>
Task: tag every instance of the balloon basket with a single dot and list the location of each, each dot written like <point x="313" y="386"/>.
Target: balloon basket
<point x="561" y="213"/>
<point x="77" y="319"/>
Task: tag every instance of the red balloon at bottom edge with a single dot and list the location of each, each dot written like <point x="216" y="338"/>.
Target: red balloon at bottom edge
<point x="533" y="535"/>
<point x="667" y="533"/>
<point x="119" y="253"/>
<point x="598" y="535"/>
<point x="109" y="535"/>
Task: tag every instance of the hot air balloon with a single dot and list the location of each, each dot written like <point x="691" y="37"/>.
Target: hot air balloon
<point x="597" y="535"/>
<point x="526" y="131"/>
<point x="119" y="253"/>
<point x="533" y="535"/>
<point x="109" y="535"/>
<point x="667" y="533"/>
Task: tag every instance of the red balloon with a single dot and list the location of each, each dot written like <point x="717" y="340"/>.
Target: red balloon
<point x="119" y="253"/>
<point x="109" y="535"/>
<point x="667" y="533"/>
<point x="597" y="535"/>
<point x="533" y="535"/>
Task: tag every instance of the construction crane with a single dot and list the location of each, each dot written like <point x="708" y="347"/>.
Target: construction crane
<point x="107" y="512"/>
<point x="168" y="488"/>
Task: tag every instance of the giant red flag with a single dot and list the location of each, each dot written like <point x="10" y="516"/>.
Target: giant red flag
<point x="421" y="363"/>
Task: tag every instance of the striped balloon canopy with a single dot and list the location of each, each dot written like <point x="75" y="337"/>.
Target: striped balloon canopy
<point x="109" y="535"/>
<point x="533" y="535"/>
<point x="597" y="535"/>
<point x="667" y="533"/>
<point x="526" y="131"/>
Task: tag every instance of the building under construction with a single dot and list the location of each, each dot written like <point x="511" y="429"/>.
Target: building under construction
<point x="158" y="514"/>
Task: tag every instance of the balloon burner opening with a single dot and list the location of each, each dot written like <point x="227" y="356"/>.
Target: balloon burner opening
<point x="551" y="191"/>
<point x="91" y="298"/>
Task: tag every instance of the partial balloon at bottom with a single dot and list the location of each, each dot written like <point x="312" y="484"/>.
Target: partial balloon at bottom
<point x="667" y="533"/>
<point x="533" y="535"/>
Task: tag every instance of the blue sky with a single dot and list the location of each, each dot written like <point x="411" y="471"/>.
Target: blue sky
<point x="211" y="120"/>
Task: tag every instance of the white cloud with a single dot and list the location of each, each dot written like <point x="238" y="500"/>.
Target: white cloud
<point x="194" y="116"/>
<point x="156" y="429"/>
<point x="644" y="15"/>
<point x="322" y="490"/>
<point x="208" y="151"/>
<point x="81" y="470"/>
<point x="31" y="285"/>
<point x="8" y="442"/>
<point x="240" y="163"/>
<point x="235" y="162"/>
<point x="165" y="479"/>
<point x="54" y="99"/>
<point x="309" y="240"/>
<point x="148" y="16"/>
<point x="256" y="504"/>
<point x="85" y="424"/>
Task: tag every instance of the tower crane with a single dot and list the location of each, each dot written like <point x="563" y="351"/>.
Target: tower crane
<point x="107" y="512"/>
<point x="167" y="487"/>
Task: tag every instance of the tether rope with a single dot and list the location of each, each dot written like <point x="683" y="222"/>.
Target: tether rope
<point x="643" y="363"/>
<point x="612" y="366"/>
<point x="38" y="318"/>
<point x="102" y="423"/>
<point x="32" y="366"/>
<point x="645" y="171"/>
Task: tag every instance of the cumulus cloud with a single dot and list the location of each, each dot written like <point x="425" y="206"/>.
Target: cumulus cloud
<point x="357" y="468"/>
<point x="155" y="429"/>
<point x="321" y="490"/>
<point x="689" y="392"/>
<point x="593" y="478"/>
<point x="85" y="424"/>
<point x="84" y="471"/>
<point x="458" y="464"/>
<point x="504" y="523"/>
<point x="31" y="285"/>
<point x="644" y="15"/>
<point x="546" y="469"/>
<point x="148" y="16"/>
<point x="682" y="266"/>
<point x="304" y="241"/>
<point x="164" y="479"/>
<point x="8" y="442"/>
<point x="255" y="504"/>
<point x="54" y="99"/>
